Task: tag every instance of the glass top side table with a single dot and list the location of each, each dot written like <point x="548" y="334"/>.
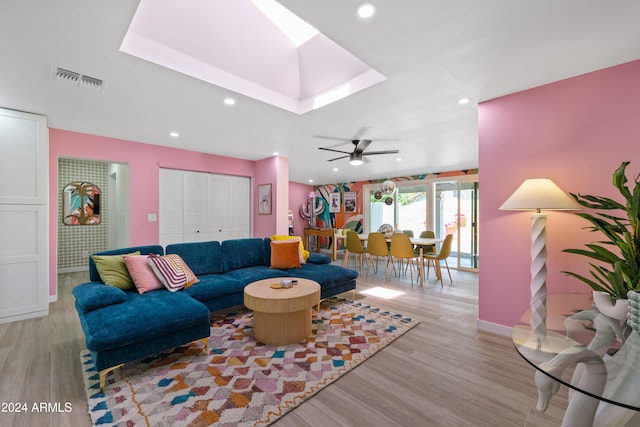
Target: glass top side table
<point x="593" y="354"/>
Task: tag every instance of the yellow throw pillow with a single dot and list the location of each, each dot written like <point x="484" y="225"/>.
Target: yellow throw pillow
<point x="113" y="271"/>
<point x="285" y="254"/>
<point x="303" y="251"/>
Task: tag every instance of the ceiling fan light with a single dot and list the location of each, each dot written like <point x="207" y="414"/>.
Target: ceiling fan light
<point x="355" y="159"/>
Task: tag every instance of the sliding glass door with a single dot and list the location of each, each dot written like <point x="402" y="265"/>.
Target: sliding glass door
<point x="412" y="209"/>
<point x="456" y="212"/>
<point x="446" y="206"/>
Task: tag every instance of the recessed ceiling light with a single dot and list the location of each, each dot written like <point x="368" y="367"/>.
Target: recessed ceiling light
<point x="463" y="101"/>
<point x="366" y="10"/>
<point x="336" y="169"/>
<point x="399" y="159"/>
<point x="275" y="153"/>
<point x="229" y="101"/>
<point x="310" y="180"/>
<point x="174" y="134"/>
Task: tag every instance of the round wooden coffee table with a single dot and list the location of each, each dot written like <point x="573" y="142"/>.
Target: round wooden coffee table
<point x="281" y="316"/>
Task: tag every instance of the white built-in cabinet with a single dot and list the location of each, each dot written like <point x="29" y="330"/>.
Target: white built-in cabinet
<point x="24" y="235"/>
<point x="197" y="206"/>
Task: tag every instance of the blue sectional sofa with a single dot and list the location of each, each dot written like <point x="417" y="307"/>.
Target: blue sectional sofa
<point x="122" y="326"/>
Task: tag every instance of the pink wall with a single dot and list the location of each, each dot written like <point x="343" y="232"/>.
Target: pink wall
<point x="576" y="132"/>
<point x="144" y="162"/>
<point x="274" y="171"/>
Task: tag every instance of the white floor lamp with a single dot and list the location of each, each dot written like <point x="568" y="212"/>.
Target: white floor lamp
<point x="537" y="194"/>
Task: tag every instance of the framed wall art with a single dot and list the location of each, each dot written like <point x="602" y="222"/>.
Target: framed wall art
<point x="334" y="202"/>
<point x="350" y="202"/>
<point x="264" y="199"/>
<point x="81" y="204"/>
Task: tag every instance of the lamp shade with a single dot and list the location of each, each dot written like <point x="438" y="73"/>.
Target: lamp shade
<point x="539" y="193"/>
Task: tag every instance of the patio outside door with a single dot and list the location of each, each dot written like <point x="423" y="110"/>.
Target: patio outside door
<point x="456" y="212"/>
<point x="445" y="206"/>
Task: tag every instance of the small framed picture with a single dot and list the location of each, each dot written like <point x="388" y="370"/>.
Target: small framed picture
<point x="264" y="199"/>
<point x="334" y="202"/>
<point x="350" y="202"/>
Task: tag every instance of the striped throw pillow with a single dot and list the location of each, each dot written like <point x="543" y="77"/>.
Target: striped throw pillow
<point x="172" y="271"/>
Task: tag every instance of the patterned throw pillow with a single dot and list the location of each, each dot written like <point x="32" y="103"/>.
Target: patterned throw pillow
<point x="172" y="271"/>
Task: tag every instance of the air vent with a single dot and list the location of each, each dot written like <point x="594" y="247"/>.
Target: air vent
<point x="63" y="74"/>
<point x="91" y="82"/>
<point x="77" y="79"/>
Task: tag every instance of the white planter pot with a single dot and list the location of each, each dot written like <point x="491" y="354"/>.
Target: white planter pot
<point x="608" y="308"/>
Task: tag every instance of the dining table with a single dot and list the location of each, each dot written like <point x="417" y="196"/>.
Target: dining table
<point x="420" y="242"/>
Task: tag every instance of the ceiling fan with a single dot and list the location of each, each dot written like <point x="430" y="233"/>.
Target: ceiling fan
<point x="358" y="155"/>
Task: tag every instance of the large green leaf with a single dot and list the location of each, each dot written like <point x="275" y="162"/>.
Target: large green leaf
<point x="616" y="266"/>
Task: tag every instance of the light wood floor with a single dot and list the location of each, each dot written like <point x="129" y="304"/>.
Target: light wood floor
<point x="441" y="373"/>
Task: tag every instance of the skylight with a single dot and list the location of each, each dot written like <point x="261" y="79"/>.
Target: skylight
<point x="253" y="47"/>
<point x="296" y="29"/>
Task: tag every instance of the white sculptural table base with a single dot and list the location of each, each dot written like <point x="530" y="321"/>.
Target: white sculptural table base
<point x="596" y="356"/>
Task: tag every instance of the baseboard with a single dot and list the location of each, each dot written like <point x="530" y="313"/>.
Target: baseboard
<point x="494" y="328"/>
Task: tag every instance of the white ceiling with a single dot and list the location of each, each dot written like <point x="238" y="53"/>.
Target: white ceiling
<point x="431" y="51"/>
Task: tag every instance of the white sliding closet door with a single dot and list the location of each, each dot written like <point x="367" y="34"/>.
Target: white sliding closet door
<point x="24" y="231"/>
<point x="239" y="224"/>
<point x="197" y="211"/>
<point x="197" y="206"/>
<point x="172" y="203"/>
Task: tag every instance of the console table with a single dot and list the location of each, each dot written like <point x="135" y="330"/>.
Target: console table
<point x="596" y="356"/>
<point x="326" y="232"/>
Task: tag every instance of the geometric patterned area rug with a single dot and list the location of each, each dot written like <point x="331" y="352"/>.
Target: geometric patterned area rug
<point x="240" y="382"/>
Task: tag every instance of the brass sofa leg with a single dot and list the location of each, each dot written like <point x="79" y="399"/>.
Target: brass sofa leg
<point x="205" y="341"/>
<point x="105" y="372"/>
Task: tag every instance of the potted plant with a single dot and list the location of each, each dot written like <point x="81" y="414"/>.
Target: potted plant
<point x="616" y="267"/>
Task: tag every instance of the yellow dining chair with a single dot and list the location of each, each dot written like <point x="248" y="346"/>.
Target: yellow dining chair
<point x="353" y="245"/>
<point x="428" y="234"/>
<point x="377" y="247"/>
<point x="445" y="251"/>
<point x="401" y="249"/>
<point x="426" y="249"/>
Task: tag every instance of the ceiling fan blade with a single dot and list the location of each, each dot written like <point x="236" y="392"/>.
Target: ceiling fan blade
<point x="362" y="145"/>
<point x="387" y="139"/>
<point x="339" y="144"/>
<point x="361" y="132"/>
<point x="332" y="138"/>
<point x="369" y="153"/>
<point x="331" y="149"/>
<point x="337" y="158"/>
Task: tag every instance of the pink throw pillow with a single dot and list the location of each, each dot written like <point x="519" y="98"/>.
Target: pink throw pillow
<point x="142" y="274"/>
